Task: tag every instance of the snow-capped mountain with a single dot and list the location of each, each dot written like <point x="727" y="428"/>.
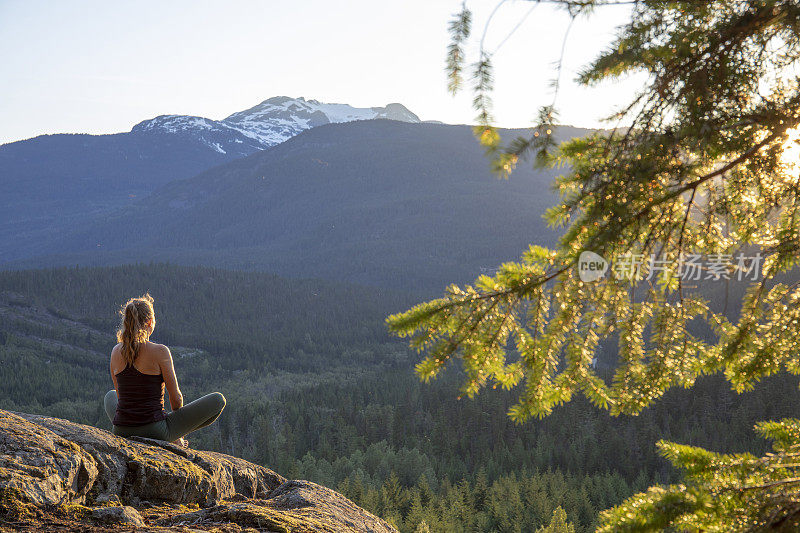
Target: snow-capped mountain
<point x="269" y="123"/>
<point x="213" y="134"/>
<point x="51" y="179"/>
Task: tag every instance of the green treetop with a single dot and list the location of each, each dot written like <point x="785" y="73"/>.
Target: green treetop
<point x="558" y="524"/>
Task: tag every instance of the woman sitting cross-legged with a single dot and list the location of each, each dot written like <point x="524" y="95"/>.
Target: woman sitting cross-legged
<point x="140" y="369"/>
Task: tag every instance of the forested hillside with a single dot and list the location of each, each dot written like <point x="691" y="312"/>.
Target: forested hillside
<point x="59" y="180"/>
<point x="317" y="390"/>
<point x="222" y="324"/>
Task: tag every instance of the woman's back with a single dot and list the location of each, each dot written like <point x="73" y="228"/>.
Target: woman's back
<point x="140" y="388"/>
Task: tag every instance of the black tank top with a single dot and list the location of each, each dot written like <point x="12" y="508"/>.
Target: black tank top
<point x="140" y="398"/>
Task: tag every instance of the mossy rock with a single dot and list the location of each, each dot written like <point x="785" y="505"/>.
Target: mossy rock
<point x="74" y="511"/>
<point x="13" y="505"/>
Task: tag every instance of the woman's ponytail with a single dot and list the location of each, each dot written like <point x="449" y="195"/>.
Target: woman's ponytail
<point x="133" y="331"/>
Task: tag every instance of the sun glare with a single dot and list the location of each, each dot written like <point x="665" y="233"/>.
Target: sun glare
<point x="791" y="150"/>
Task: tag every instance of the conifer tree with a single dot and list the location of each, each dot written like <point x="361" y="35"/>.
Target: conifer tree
<point x="698" y="171"/>
<point x="422" y="528"/>
<point x="558" y="524"/>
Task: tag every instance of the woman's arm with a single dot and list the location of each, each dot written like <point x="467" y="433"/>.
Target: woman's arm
<point x="111" y="368"/>
<point x="113" y="377"/>
<point x="170" y="380"/>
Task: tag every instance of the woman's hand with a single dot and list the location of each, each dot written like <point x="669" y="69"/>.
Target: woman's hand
<point x="181" y="442"/>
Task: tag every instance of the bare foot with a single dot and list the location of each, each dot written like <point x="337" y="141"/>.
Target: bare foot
<point x="181" y="442"/>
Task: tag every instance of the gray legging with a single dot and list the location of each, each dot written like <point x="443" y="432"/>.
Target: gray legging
<point x="192" y="416"/>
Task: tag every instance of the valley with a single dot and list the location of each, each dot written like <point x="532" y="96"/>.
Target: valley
<point x="317" y="390"/>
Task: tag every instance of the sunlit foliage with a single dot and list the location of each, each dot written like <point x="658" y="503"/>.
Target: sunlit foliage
<point x="699" y="162"/>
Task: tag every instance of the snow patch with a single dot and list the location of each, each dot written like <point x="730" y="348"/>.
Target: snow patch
<point x="217" y="147"/>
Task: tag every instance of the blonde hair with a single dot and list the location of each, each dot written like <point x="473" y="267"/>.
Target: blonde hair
<point x="132" y="332"/>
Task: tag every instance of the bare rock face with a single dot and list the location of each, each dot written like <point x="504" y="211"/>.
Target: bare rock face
<point x="57" y="475"/>
<point x="124" y="515"/>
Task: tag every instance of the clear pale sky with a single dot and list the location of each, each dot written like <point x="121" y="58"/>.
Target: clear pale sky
<point x="91" y="66"/>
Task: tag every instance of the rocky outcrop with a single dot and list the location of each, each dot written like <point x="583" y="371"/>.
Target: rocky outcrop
<point x="57" y="475"/>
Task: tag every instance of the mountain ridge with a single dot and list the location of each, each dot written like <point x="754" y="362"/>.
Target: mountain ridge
<point x="60" y="179"/>
<point x="367" y="202"/>
<point x="391" y="111"/>
<point x="274" y="120"/>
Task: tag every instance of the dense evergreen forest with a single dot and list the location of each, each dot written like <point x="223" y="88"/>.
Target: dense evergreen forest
<point x="317" y="390"/>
